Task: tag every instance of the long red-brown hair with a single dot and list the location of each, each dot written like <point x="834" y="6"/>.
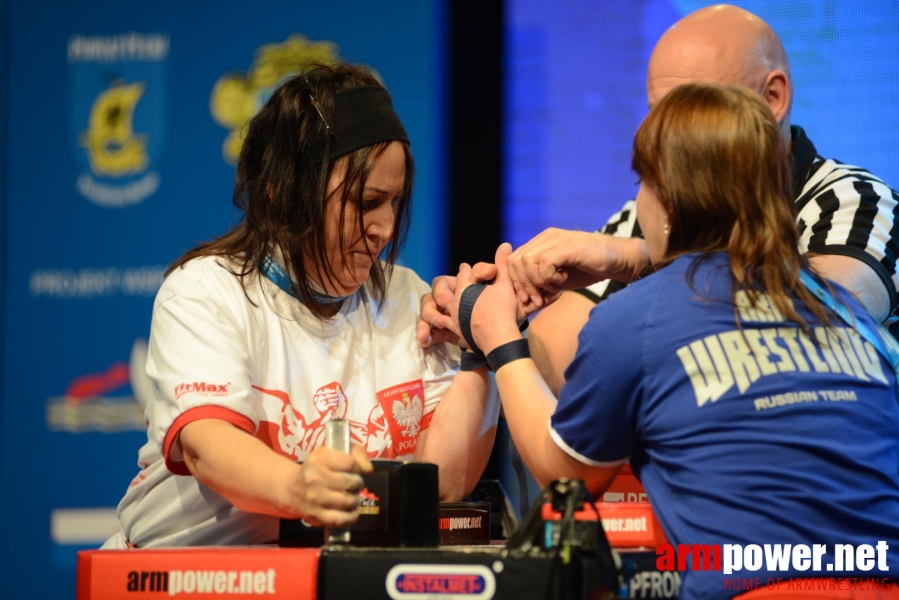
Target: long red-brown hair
<point x="718" y="163"/>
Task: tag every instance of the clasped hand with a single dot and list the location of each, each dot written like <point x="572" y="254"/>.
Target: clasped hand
<point x="535" y="281"/>
<point x="326" y="490"/>
<point x="498" y="307"/>
<point x="540" y="270"/>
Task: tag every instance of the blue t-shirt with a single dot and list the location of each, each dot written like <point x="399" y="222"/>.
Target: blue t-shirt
<point x="759" y="437"/>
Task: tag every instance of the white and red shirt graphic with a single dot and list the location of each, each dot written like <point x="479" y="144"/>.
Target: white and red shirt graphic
<point x="280" y="374"/>
<point x="384" y="434"/>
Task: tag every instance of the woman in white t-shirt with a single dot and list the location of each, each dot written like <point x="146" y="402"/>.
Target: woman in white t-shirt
<point x="296" y="316"/>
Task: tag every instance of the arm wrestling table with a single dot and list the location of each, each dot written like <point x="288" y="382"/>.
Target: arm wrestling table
<point x="476" y="571"/>
<point x="562" y="550"/>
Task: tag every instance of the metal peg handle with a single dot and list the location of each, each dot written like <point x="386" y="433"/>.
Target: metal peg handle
<point x="337" y="437"/>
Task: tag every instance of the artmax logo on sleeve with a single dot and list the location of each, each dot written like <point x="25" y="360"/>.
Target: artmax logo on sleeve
<point x="202" y="388"/>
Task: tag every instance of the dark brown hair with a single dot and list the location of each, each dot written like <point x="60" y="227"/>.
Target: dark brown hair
<point x="717" y="161"/>
<point x="281" y="184"/>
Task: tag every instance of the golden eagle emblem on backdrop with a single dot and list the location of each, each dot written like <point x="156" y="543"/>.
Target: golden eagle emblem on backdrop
<point x="236" y="97"/>
<point x="113" y="149"/>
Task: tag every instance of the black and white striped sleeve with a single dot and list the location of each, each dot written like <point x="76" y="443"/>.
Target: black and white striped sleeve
<point x="848" y="211"/>
<point x="622" y="224"/>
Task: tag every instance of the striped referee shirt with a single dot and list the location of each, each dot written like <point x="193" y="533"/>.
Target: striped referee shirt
<point x="842" y="210"/>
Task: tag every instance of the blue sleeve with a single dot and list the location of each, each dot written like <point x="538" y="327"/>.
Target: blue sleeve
<point x="595" y="419"/>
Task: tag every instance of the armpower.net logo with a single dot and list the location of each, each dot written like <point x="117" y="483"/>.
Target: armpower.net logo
<point x="175" y="583"/>
<point x="821" y="568"/>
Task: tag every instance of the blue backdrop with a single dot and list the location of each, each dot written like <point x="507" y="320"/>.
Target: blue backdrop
<point x="576" y="93"/>
<point x="122" y="121"/>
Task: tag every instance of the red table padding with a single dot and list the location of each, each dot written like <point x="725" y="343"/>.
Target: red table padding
<point x="277" y="573"/>
<point x="631" y="524"/>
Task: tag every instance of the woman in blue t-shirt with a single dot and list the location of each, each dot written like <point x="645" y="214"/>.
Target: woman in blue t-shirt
<point x="752" y="413"/>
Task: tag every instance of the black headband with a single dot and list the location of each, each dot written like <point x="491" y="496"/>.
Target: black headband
<point x="364" y="116"/>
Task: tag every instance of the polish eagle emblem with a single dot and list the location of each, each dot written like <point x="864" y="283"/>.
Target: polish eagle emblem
<point x="407" y="414"/>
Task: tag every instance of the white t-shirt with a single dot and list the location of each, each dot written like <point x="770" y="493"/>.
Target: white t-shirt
<point x="264" y="363"/>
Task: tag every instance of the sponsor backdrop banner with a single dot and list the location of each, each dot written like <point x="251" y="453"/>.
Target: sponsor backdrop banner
<point x="124" y="122"/>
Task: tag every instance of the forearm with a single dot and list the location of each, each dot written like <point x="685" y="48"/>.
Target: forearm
<point x="557" y="260"/>
<point x="528" y="405"/>
<point x="625" y="258"/>
<point x="239" y="467"/>
<point x="858" y="278"/>
<point x="461" y="434"/>
<point x="553" y="336"/>
<point x="527" y="401"/>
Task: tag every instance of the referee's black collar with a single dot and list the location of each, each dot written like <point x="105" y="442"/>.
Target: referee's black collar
<point x="803" y="153"/>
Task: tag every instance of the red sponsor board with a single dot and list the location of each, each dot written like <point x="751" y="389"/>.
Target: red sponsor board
<point x="270" y="572"/>
<point x="631" y="524"/>
<point x="625" y="488"/>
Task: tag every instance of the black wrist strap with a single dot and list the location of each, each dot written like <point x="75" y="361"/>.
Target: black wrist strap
<point x="472" y="361"/>
<point x="466" y="304"/>
<point x="502" y="355"/>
